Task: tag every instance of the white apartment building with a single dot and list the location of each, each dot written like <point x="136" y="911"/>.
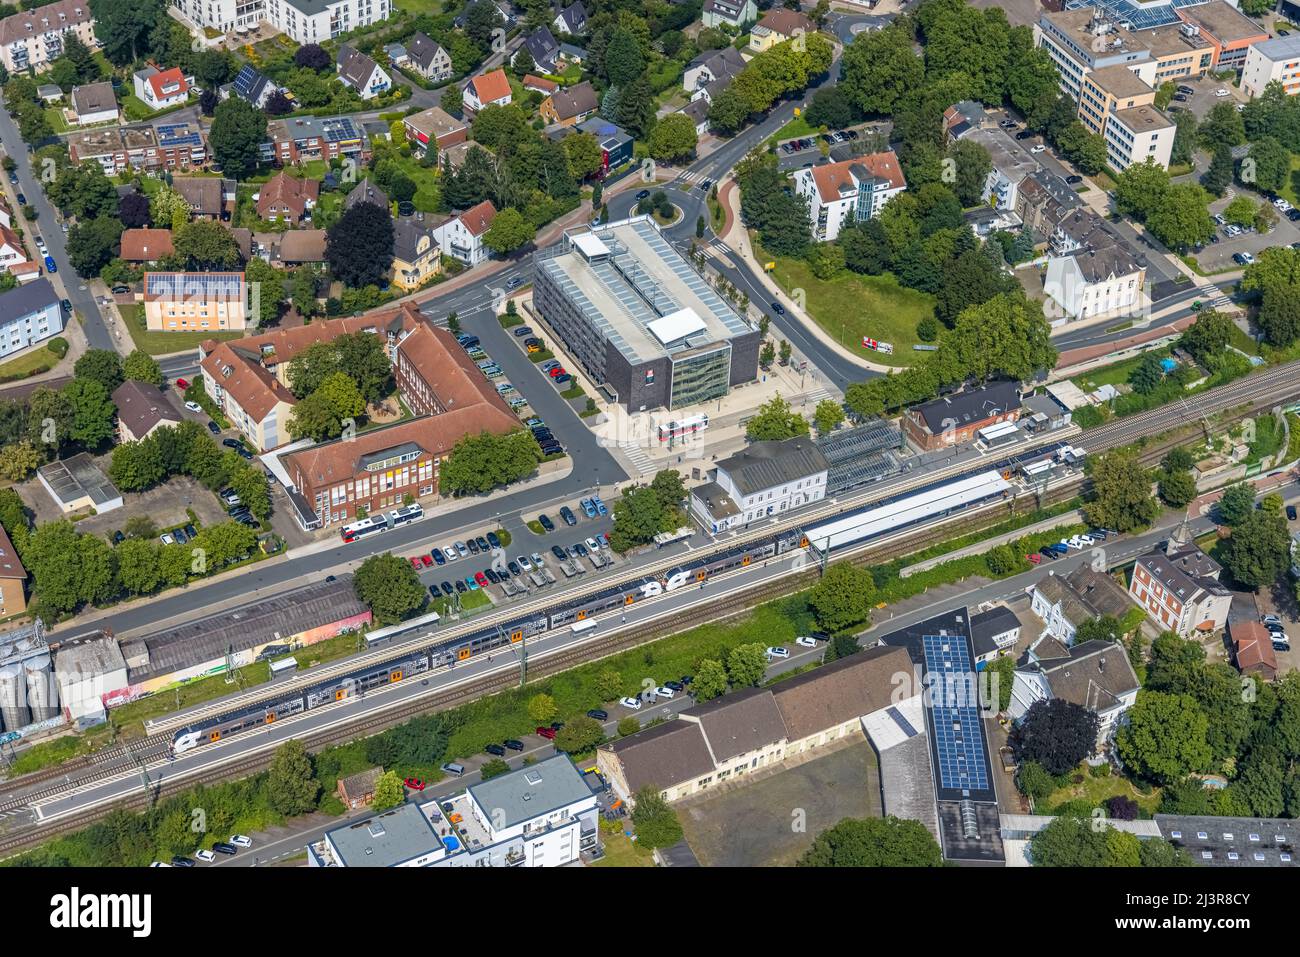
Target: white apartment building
<point x="462" y="235"/>
<point x="767" y="478"/>
<point x="543" y="815"/>
<point x="1277" y="59"/>
<point x="29" y="314"/>
<point x="305" y="21"/>
<point x="848" y="192"/>
<point x="1095" y="675"/>
<point x="30" y="40"/>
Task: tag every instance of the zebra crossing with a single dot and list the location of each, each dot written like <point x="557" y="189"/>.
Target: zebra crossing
<point x="1212" y="297"/>
<point x="689" y="177"/>
<point x="639" y="458"/>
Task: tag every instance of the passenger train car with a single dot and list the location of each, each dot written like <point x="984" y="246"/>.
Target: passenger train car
<point x="851" y="529"/>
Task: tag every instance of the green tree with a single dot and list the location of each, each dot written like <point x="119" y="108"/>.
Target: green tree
<point x="879" y="68"/>
<point x="828" y="415"/>
<point x="656" y="823"/>
<point x="1177" y="489"/>
<point x="92" y="244"/>
<point x="1219" y="175"/>
<point x="1165" y="738"/>
<point x="971" y="164"/>
<point x="874" y="842"/>
<point x="100" y="365"/>
<point x="624" y="61"/>
<point x="1182" y="218"/>
<point x="359" y="247"/>
<point x="609" y="684"/>
<point x="1267" y="166"/>
<point x="206" y="246"/>
<point x="541" y="708"/>
<point x="775" y="420"/>
<point x="137" y="563"/>
<point x="1005" y="337"/>
<point x="843" y="597"/>
<point x="673" y="139"/>
<point x="1236" y="504"/>
<point x="493" y="769"/>
<point x="1258" y="552"/>
<point x="390" y="587"/>
<point x="481" y="462"/>
<point x="139" y="366"/>
<point x="628" y="726"/>
<point x="92" y="412"/>
<point x="710" y="680"/>
<point x="509" y="231"/>
<point x="580" y="735"/>
<point x="1148" y="375"/>
<point x="389" y="792"/>
<point x="452" y="99"/>
<point x="124" y="28"/>
<point x="238" y="130"/>
<point x="291" y="783"/>
<point x="137" y="466"/>
<point x="1120" y="496"/>
<point x="1208" y="336"/>
<point x="747" y="664"/>
<point x="1056" y="734"/>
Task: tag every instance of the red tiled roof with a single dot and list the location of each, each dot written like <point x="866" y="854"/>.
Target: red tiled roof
<point x="450" y="372"/>
<point x="539" y="83"/>
<point x="834" y="176"/>
<point x="284" y="190"/>
<point x="146" y="245"/>
<point x="238" y="372"/>
<point x="491" y="86"/>
<point x="165" y="78"/>
<point x="10" y="566"/>
<point x="478" y="218"/>
<point x="1254" y="646"/>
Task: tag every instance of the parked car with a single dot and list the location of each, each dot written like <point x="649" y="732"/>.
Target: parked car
<point x="589" y="507"/>
<point x="224" y="847"/>
<point x="415" y="784"/>
<point x="481" y="579"/>
<point x="598" y="714"/>
<point x="66" y="305"/>
<point x="777" y="652"/>
<point x="1024" y="135"/>
<point x="558" y="552"/>
<point x="546" y="733"/>
<point x="513" y="744"/>
<point x="632" y="703"/>
<point x="1221" y="92"/>
<point x="522" y="331"/>
<point x="1037" y="148"/>
<point x="50" y="265"/>
<point x="664" y="691"/>
<point x="1074" y="180"/>
<point x="461" y="550"/>
<point x="1290" y="513"/>
<point x="566" y="513"/>
<point x="524" y="563"/>
<point x="178" y="861"/>
<point x="438" y="557"/>
<point x="193" y="407"/>
<point x="213" y="427"/>
<point x="415" y="562"/>
<point x="495" y="750"/>
<point x="545" y="521"/>
<point x="240" y="841"/>
<point x="806" y="641"/>
<point x="205" y="855"/>
<point x="445" y="587"/>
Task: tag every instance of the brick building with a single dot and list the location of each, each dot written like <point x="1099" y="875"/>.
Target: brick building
<point x="1178" y="586"/>
<point x="954" y="419"/>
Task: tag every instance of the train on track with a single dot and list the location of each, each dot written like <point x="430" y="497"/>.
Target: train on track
<point x="850" y="529"/>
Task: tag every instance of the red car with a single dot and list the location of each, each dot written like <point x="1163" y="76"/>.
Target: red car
<point x="1034" y="559"/>
<point x="426" y="561"/>
<point x="481" y="579"/>
<point x="547" y="733"/>
<point x="182" y="384"/>
<point x="557" y="371"/>
<point x="415" y="563"/>
<point x="415" y="784"/>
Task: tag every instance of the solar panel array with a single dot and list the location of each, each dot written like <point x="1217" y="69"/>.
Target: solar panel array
<point x="174" y="135"/>
<point x="1141" y="16"/>
<point x="196" y="286"/>
<point x="901" y="721"/>
<point x="958" y="734"/>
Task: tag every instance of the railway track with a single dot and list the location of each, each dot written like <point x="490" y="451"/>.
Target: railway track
<point x="1257" y="392"/>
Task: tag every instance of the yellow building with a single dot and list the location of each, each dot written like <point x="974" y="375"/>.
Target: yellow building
<point x="777" y="26"/>
<point x="417" y="257"/>
<point x="194" y="301"/>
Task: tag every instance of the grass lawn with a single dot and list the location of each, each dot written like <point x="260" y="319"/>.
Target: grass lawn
<point x="135" y="108"/>
<point x="621" y="851"/>
<point x="428" y="194"/>
<point x="29" y="364"/>
<point x="470" y="602"/>
<point x="164" y="343"/>
<point x="1115" y="374"/>
<point x="1096" y="790"/>
<point x="1289" y="191"/>
<point x="796" y="127"/>
<point x="57" y="123"/>
<point x="851" y="306"/>
<point x="432" y="7"/>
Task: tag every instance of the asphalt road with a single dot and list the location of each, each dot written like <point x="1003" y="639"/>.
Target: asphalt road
<point x="46" y="226"/>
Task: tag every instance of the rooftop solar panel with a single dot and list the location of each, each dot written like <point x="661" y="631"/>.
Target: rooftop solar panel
<point x="901" y="721"/>
<point x="958" y="733"/>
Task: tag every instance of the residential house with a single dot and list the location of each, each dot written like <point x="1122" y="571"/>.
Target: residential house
<point x="485" y="89"/>
<point x="1064" y="602"/>
<point x="1252" y="649"/>
<point x="542" y="815"/>
<point x="249" y="395"/>
<point x="416" y="255"/>
<point x="849" y="192"/>
<point x="366" y="192"/>
<point x="94" y="103"/>
<point x="13" y="579"/>
<point x="616" y="145"/>
<point x="358" y="790"/>
<point x="359" y="72"/>
<point x="141" y="410"/>
<point x="29" y="314"/>
<point x="300" y="139"/>
<point x="571" y="55"/>
<point x="741" y="732"/>
<point x="286" y="199"/>
<point x="570" y="106"/>
<point x="1276" y="60"/>
<point x="993" y="633"/>
<point x="12" y="252"/>
<point x="1011" y="165"/>
<point x="146" y="245"/>
<point x="730" y="13"/>
<point x="194" y="301"/>
<point x="762" y="480"/>
<point x="1095" y="675"/>
<point x="462" y="235"/>
<point x="49" y="93"/>
<point x="181" y="145"/>
<point x="208" y="198"/>
<point x="1105" y="279"/>
<point x="1179" y="587"/>
<point x="710" y="67"/>
<point x="777" y="26"/>
<point x="539" y="84"/>
<point x="571" y="19"/>
<point x="1043" y="200"/>
<point x="32" y="39"/>
<point x="954" y="419"/>
<point x="963" y="117"/>
<point x="435" y="125"/>
<point x="428" y="59"/>
<point x="543" y="48"/>
<point x="303" y="21"/>
<point x="291" y="248"/>
<point x="161" y="89"/>
<point x="251" y="86"/>
<point x="698" y="111"/>
<point x="397" y="55"/>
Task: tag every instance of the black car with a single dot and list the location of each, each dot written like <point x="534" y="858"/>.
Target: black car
<point x="514" y="568"/>
<point x="514" y="745"/>
<point x="1293" y="214"/>
<point x="1025" y="135"/>
<point x="643" y="194"/>
<point x="566" y="513"/>
<point x="557" y="725"/>
<point x="232" y="443"/>
<point x="558" y="552"/>
<point x="461" y="586"/>
<point x="482" y="544"/>
<point x="524" y="331"/>
<point x="13" y="178"/>
<point x="190" y="531"/>
<point x="1074" y="179"/>
<point x="66" y="305"/>
<point x="551" y="448"/>
<point x="492" y="576"/>
<point x="472" y="545"/>
<point x="544" y="520"/>
<point x="686" y="679"/>
<point x="493" y="540"/>
<point x="213" y="427"/>
<point x="244" y="454"/>
<point x="1290" y="512"/>
<point x="496" y="749"/>
<point x="581" y="549"/>
<point x="1180" y="98"/>
<point x="22" y="200"/>
<point x="178" y="861"/>
<point x="598" y="714"/>
<point x="447" y="588"/>
<point x="706" y="184"/>
<point x="778" y="308"/>
<point x="221" y="847"/>
<point x="674" y="686"/>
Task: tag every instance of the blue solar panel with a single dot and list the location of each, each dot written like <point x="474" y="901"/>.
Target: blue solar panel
<point x="958" y="734"/>
<point x="901" y="721"/>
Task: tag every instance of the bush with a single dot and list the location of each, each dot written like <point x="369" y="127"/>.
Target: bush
<point x="927" y="330"/>
<point x="1034" y="781"/>
<point x="58" y="345"/>
<point x="1122" y="808"/>
<point x="629" y="725"/>
<point x="1079" y="807"/>
<point x="1100" y="770"/>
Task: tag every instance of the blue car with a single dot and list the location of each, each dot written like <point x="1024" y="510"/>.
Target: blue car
<point x="473" y="585"/>
<point x="49" y="264"/>
<point x="438" y="557"/>
<point x="589" y="507"/>
<point x="600" y="506"/>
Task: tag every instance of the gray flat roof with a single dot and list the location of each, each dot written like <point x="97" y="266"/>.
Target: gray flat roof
<point x="385" y="840"/>
<point x="637" y="280"/>
<point x="71" y="479"/>
<point x="532" y="791"/>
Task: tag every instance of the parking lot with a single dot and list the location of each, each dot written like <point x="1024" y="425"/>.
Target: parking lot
<point x="771" y="817"/>
<point x="805" y="151"/>
<point x="1218" y="255"/>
